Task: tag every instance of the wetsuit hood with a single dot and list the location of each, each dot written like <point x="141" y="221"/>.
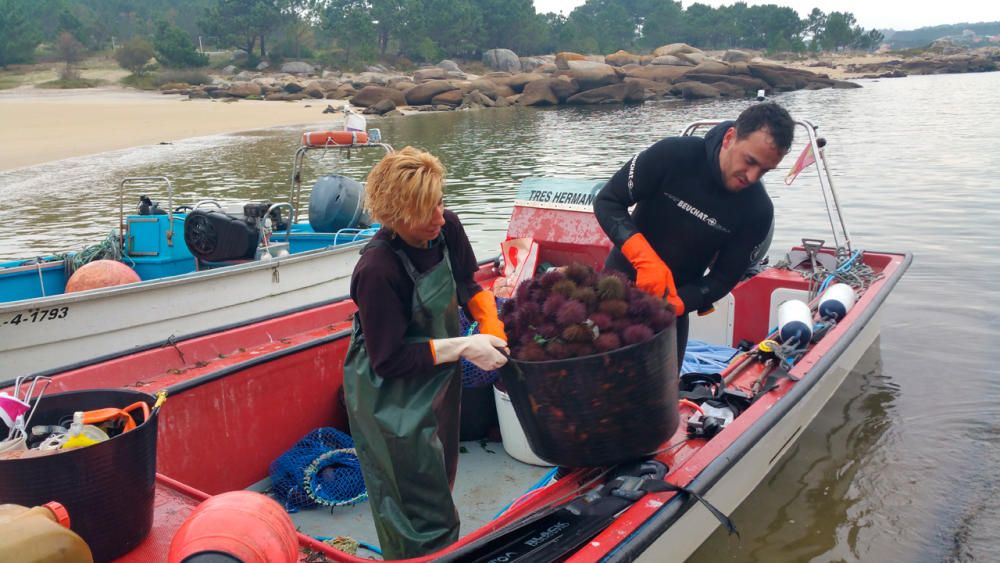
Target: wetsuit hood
<point x="713" y="145"/>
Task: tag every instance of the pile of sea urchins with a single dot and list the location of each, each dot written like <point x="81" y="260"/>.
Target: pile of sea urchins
<point x="576" y="311"/>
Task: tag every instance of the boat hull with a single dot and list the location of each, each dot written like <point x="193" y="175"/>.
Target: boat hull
<point x="249" y="393"/>
<point x="695" y="524"/>
<point x="42" y="335"/>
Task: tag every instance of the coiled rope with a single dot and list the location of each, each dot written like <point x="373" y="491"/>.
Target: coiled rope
<point x="851" y="271"/>
<point x="702" y="357"/>
<point x="108" y="249"/>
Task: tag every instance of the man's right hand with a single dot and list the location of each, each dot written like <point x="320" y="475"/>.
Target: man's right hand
<point x="651" y="274"/>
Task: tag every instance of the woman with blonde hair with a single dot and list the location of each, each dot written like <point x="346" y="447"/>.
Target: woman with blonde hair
<point x="401" y="380"/>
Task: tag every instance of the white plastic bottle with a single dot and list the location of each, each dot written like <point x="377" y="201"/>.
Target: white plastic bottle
<point x="81" y="435"/>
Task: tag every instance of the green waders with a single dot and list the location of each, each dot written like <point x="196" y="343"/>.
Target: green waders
<point x="406" y="429"/>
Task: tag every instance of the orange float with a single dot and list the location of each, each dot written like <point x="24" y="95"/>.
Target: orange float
<point x="101" y="273"/>
<point x="326" y="138"/>
<point x="245" y="525"/>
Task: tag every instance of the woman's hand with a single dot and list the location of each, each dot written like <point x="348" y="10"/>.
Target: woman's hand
<point x="483" y="350"/>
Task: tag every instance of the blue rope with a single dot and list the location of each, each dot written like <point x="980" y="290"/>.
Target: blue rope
<point x="541" y="483"/>
<point x="702" y="357"/>
<point x="842" y="268"/>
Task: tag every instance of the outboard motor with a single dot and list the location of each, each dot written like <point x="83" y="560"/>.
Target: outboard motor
<point x="149" y="207"/>
<point x="258" y="212"/>
<point x="337" y="202"/>
<point x="214" y="236"/>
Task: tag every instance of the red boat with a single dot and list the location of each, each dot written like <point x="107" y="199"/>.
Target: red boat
<point x="240" y="397"/>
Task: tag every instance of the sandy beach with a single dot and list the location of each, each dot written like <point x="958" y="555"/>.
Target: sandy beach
<point x="39" y="126"/>
<point x="835" y="65"/>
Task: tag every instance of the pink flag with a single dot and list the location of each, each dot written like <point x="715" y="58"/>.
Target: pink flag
<point x="805" y="159"/>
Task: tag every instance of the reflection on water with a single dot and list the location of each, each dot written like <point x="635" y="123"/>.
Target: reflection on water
<point x="811" y="506"/>
<point x="903" y="463"/>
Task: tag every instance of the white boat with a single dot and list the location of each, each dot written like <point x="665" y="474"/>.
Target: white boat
<point x="190" y="285"/>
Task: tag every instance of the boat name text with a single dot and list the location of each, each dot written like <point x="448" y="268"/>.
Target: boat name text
<point x="574" y="198"/>
<point x="37" y="316"/>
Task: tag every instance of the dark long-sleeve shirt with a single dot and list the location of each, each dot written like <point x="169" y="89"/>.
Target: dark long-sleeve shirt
<point x="383" y="293"/>
<point x="686" y="213"/>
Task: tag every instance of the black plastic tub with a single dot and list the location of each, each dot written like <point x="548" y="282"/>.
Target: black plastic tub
<point x="601" y="409"/>
<point x="107" y="488"/>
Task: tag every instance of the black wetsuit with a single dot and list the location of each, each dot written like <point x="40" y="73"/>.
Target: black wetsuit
<point x="688" y="216"/>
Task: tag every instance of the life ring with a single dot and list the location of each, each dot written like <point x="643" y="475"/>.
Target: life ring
<point x="327" y="138"/>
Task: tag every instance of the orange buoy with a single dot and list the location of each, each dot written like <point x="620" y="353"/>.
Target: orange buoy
<point x="328" y="138"/>
<point x="243" y="524"/>
<point x="100" y="273"/>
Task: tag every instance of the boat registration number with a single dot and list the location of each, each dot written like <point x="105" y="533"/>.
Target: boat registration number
<point x="37" y="316"/>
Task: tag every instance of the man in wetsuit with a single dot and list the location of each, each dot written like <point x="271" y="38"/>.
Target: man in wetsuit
<point x="699" y="205"/>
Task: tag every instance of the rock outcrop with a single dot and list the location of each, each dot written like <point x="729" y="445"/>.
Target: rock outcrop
<point x="502" y="59"/>
<point x="676" y="70"/>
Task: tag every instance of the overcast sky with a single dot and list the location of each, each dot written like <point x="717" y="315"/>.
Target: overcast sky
<point x="882" y="14"/>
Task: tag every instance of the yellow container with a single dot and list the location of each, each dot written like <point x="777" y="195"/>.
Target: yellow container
<point x="40" y="535"/>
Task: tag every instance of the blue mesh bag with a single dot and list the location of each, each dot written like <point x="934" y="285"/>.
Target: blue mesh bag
<point x="320" y="469"/>
<point x="471" y="375"/>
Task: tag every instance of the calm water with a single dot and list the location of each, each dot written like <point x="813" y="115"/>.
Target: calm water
<point x="903" y="463"/>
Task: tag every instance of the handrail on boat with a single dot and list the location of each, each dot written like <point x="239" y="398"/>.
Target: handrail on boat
<point x="831" y="201"/>
<point x="297" y="162"/>
<point x="121" y="206"/>
<point x="206" y="202"/>
<point x="354" y="233"/>
<point x="291" y="215"/>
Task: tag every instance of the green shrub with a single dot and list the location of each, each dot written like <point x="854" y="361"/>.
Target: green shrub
<point x="134" y="56"/>
<point x="174" y="48"/>
<point x="424" y="49"/>
<point x="251" y="62"/>
<point x="287" y="50"/>
<point x="70" y="83"/>
<point x="140" y="81"/>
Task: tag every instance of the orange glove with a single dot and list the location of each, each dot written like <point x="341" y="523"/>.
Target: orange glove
<point x="651" y="274"/>
<point x="483" y="308"/>
<point x="675" y="301"/>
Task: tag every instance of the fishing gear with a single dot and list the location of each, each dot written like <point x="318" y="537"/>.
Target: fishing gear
<point x="556" y="531"/>
<point x="16" y="411"/>
<point x="716" y="405"/>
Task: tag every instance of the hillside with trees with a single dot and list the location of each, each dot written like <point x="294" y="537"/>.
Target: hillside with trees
<point x="962" y="33"/>
<point x="350" y="33"/>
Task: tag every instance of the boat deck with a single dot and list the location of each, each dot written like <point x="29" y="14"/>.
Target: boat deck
<point x="244" y="382"/>
<point x="488" y="480"/>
